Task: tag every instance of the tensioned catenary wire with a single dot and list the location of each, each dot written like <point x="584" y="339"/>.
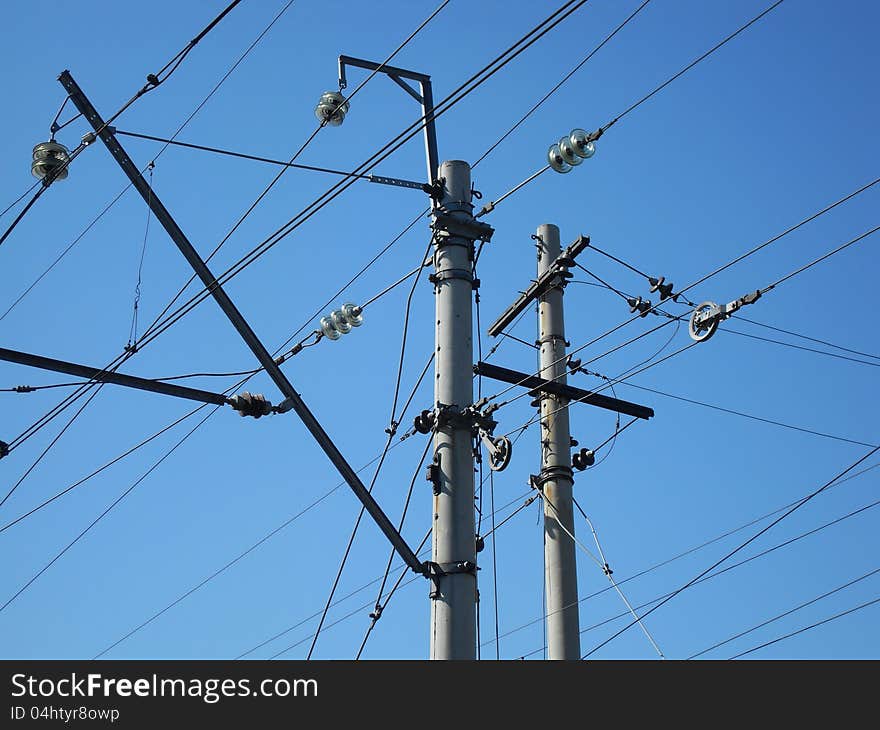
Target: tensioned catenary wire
<point x="296" y="155"/>
<point x="392" y="430"/>
<point x="460" y="93"/>
<point x="164" y="429"/>
<point x="74" y="396"/>
<point x="785" y="613"/>
<point x="603" y="284"/>
<point x="754" y="537"/>
<point x="156" y="157"/>
<point x="153" y="82"/>
<point x="722" y="571"/>
<point x="716" y="271"/>
<point x="807" y="628"/>
<point x="699" y="547"/>
<point x="120" y="359"/>
<point x="642" y="100"/>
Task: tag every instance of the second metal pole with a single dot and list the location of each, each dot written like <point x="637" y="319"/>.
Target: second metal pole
<point x="560" y="566"/>
<point x="453" y="598"/>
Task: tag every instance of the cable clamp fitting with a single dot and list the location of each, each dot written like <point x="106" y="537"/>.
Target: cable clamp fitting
<point x="4" y="449"/>
<point x="453" y="226"/>
<point x="435" y="571"/>
<point x="550" y="474"/>
<point x="707" y="316"/>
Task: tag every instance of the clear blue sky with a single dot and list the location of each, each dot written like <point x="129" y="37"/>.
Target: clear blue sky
<point x="772" y="128"/>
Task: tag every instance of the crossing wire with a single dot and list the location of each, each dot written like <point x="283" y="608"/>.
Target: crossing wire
<point x="180" y="128"/>
<point x="750" y="416"/>
<point x="342" y="600"/>
<point x="394" y="420"/>
<point x="722" y="571"/>
<point x="807" y="628"/>
<point x="715" y="272"/>
<point x="334" y="191"/>
<point x="512" y="52"/>
<point x="556" y="88"/>
<point x="707" y="543"/>
<point x="785" y="613"/>
<point x="117" y="362"/>
<point x="491" y="206"/>
<point x="733" y="552"/>
<point x="283" y="170"/>
<point x="149" y="438"/>
<point x="153" y="82"/>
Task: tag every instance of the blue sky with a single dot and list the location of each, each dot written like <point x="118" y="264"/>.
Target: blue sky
<point x="769" y="130"/>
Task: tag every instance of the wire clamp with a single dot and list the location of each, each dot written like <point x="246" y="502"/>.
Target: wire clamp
<point x="471" y="230"/>
<point x="550" y="474"/>
<point x="707" y="316"/>
<point x="4" y="449"/>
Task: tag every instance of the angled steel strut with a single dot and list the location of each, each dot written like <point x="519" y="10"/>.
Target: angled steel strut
<point x="293" y="400"/>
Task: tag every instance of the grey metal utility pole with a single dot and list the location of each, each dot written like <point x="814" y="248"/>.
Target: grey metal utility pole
<point x="453" y="604"/>
<point x="556" y="478"/>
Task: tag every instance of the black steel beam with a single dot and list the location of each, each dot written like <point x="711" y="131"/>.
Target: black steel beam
<point x="293" y="399"/>
<point x="546" y="281"/>
<point x="129" y="381"/>
<point x="573" y="394"/>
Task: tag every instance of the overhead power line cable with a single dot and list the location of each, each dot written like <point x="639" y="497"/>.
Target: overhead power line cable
<point x="117" y="362"/>
<point x="704" y="278"/>
<point x="153" y="82"/>
<point x="341" y="600"/>
<point x="707" y="543"/>
<point x="558" y="86"/>
<point x="741" y="546"/>
<point x="722" y="571"/>
<point x="383" y="153"/>
<point x="807" y="628"/>
<point x="739" y="316"/>
<point x="785" y="613"/>
<point x="491" y="206"/>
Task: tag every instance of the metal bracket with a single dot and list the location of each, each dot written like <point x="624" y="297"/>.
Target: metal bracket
<point x="435" y="571"/>
<point x="552" y="338"/>
<point x="471" y="230"/>
<point x="707" y="316"/>
<point x="549" y="474"/>
<point x="448" y="274"/>
<point x="432" y="474"/>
